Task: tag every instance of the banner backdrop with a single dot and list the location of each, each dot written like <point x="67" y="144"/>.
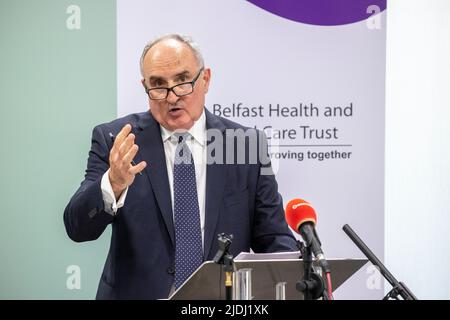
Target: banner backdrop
<point x="311" y="74"/>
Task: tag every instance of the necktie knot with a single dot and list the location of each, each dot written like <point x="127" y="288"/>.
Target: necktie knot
<point x="181" y="137"/>
<point x="182" y="153"/>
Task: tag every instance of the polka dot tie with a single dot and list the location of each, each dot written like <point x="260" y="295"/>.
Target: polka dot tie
<point x="188" y="238"/>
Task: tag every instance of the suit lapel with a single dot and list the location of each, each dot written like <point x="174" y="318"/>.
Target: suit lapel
<point x="151" y="150"/>
<point x="215" y="184"/>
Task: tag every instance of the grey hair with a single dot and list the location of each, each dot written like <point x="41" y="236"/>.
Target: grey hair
<point x="179" y="37"/>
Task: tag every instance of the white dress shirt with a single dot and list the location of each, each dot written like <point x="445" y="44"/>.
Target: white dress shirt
<point x="197" y="145"/>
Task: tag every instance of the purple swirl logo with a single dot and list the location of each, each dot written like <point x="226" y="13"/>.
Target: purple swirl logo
<point x="321" y="12"/>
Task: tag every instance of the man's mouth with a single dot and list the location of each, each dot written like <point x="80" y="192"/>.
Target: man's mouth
<point x="174" y="109"/>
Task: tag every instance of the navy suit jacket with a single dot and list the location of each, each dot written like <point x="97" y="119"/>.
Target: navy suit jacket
<point x="140" y="262"/>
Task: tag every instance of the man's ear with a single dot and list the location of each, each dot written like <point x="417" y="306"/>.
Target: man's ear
<point x="143" y="83"/>
<point x="206" y="78"/>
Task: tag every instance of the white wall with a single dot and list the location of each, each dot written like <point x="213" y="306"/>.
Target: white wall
<point x="417" y="238"/>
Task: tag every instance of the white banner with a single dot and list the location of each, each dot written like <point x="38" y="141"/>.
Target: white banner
<point x="312" y="76"/>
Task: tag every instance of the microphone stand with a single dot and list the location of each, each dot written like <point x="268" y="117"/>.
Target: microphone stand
<point x="312" y="286"/>
<point x="398" y="288"/>
<point x="225" y="258"/>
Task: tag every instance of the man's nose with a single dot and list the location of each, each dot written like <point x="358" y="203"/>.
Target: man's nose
<point x="172" y="98"/>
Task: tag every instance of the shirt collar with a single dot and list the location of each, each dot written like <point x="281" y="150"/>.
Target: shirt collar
<point x="198" y="130"/>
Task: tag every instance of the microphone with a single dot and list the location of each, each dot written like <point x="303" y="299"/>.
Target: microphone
<point x="302" y="218"/>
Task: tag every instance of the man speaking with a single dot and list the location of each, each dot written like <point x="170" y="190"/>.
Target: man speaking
<point x="149" y="176"/>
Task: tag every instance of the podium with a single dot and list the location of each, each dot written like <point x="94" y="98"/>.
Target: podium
<point x="207" y="282"/>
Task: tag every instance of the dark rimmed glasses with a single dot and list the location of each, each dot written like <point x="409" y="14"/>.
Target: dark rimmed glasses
<point x="180" y="90"/>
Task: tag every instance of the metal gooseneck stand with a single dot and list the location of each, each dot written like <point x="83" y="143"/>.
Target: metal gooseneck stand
<point x="398" y="288"/>
<point x="312" y="286"/>
<point x="225" y="258"/>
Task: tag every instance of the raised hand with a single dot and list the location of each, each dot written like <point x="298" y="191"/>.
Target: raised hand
<point x="121" y="169"/>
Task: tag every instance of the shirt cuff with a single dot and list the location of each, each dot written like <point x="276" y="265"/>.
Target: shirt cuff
<point x="109" y="200"/>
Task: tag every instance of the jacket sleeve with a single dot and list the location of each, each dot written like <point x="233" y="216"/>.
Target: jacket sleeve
<point x="270" y="230"/>
<point x="85" y="218"/>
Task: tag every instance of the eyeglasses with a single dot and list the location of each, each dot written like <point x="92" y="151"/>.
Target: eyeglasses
<point x="180" y="90"/>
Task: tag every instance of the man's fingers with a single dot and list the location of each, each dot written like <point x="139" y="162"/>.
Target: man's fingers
<point x="114" y="156"/>
<point x="126" y="145"/>
<point x="137" y="168"/>
<point x="124" y="132"/>
<point x="130" y="154"/>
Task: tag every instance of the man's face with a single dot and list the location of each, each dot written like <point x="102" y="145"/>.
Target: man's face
<point x="167" y="64"/>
